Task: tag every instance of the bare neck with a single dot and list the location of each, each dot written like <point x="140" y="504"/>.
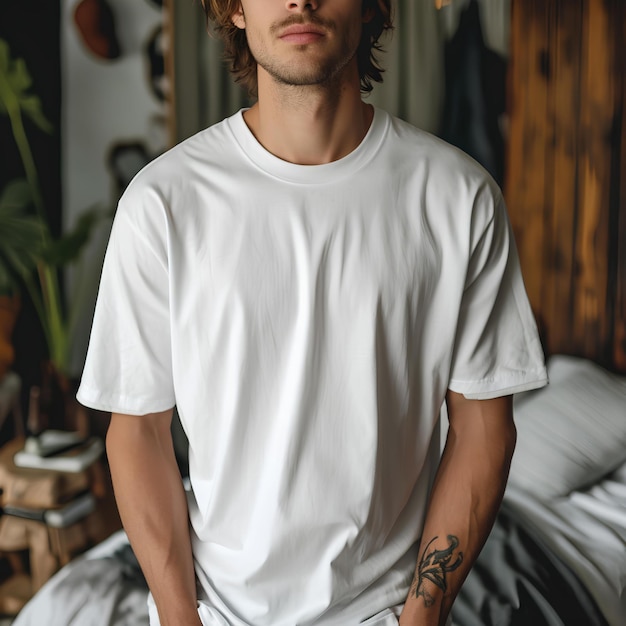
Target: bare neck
<point x="309" y="125"/>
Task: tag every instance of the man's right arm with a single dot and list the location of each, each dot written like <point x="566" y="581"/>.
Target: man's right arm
<point x="153" y="508"/>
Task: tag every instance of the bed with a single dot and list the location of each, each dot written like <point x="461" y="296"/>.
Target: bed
<point x="556" y="555"/>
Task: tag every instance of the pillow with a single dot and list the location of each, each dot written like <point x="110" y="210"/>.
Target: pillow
<point x="572" y="432"/>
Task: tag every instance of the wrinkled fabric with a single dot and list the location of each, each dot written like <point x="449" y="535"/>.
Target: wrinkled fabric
<point x="307" y="322"/>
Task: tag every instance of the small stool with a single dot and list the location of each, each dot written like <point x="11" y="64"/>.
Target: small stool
<point x="48" y="547"/>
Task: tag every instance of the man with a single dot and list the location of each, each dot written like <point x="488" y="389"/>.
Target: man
<point x="307" y="281"/>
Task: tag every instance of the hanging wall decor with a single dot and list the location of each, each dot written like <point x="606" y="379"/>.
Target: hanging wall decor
<point x="96" y="24"/>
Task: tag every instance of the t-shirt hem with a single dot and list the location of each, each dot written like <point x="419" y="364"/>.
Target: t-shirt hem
<point x="489" y="388"/>
<point x="123" y="404"/>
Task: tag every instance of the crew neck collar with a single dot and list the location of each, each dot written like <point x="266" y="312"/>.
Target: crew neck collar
<point x="309" y="174"/>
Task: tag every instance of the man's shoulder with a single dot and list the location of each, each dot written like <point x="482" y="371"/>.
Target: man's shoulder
<point x="207" y="146"/>
<point x="202" y="156"/>
<point x="441" y="164"/>
<point x="428" y="146"/>
<point x="178" y="177"/>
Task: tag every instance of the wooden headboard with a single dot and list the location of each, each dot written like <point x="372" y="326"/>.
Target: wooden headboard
<point x="565" y="182"/>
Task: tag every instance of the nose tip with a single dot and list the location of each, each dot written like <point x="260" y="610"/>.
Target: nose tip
<point x="302" y="5"/>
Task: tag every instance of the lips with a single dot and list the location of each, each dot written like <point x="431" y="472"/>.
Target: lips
<point x="302" y="33"/>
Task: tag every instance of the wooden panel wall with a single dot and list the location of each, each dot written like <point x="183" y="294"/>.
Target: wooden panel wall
<point x="566" y="169"/>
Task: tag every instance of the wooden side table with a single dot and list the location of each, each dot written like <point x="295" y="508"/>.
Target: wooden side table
<point x="48" y="548"/>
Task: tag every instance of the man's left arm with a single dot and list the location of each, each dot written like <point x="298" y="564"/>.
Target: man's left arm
<point x="465" y="498"/>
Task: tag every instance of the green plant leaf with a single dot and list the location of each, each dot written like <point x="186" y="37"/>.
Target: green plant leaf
<point x="31" y="106"/>
<point x="4" y="55"/>
<point x="15" y="196"/>
<point x="15" y="81"/>
<point x="67" y="248"/>
<point x="19" y="78"/>
<point x="22" y="235"/>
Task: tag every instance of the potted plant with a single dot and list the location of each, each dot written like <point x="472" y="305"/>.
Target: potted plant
<point x="30" y="256"/>
<point x="20" y="237"/>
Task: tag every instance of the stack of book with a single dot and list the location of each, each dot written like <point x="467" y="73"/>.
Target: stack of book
<point x="56" y="451"/>
<point x="61" y="517"/>
<point x="50" y="506"/>
<point x="59" y="450"/>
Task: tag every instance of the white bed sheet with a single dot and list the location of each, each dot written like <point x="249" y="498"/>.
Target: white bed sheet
<point x="89" y="591"/>
<point x="587" y="531"/>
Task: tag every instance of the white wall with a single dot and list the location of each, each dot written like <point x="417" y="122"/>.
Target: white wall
<point x="103" y="102"/>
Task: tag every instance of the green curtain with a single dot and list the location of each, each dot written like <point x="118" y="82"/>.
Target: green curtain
<point x="413" y="62"/>
<point x="205" y="92"/>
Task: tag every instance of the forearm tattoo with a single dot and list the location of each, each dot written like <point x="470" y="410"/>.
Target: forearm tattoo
<point x="434" y="566"/>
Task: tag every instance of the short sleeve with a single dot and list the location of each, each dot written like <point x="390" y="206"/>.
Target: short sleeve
<point x="128" y="366"/>
<point x="497" y="349"/>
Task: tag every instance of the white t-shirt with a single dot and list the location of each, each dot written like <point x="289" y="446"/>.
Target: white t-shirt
<point x="307" y="321"/>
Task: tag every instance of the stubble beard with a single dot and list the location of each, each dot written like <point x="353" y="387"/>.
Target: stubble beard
<point x="301" y="70"/>
<point x="323" y="73"/>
